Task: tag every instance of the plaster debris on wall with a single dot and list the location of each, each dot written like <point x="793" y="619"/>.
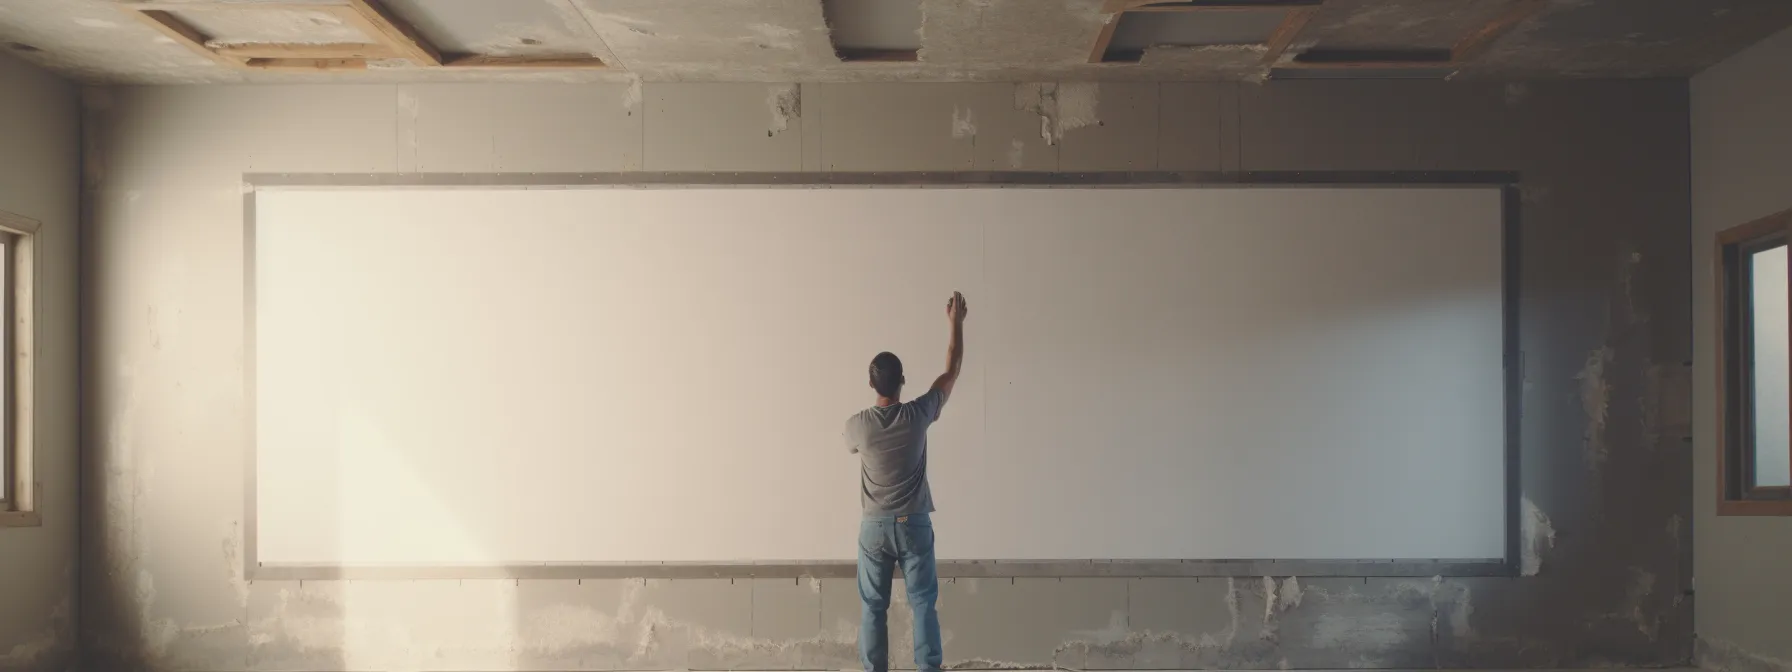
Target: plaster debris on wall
<point x="1062" y="107"/>
<point x="1717" y="655"/>
<point x="376" y="625"/>
<point x="1017" y="153"/>
<point x="1119" y="639"/>
<point x="964" y="123"/>
<point x="631" y="97"/>
<point x="1290" y="594"/>
<point x="49" y="643"/>
<point x="1539" y="536"/>
<point x="1595" y="399"/>
<point x="786" y="104"/>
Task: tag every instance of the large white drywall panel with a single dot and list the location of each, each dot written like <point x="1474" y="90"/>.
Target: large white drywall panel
<point x="500" y="376"/>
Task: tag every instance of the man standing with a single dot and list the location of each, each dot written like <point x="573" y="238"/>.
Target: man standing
<point x="891" y="441"/>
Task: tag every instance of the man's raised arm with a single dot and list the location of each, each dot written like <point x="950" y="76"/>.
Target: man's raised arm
<point x="955" y="312"/>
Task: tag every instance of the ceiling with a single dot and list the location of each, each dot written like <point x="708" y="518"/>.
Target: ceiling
<point x="99" y="41"/>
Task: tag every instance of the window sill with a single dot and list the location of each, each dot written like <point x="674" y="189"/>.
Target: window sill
<point x="20" y="519"/>
<point x="1755" y="508"/>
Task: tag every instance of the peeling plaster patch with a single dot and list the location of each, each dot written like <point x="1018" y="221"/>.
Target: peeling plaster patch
<point x="1078" y="103"/>
<point x="1718" y="655"/>
<point x="987" y="664"/>
<point x="1269" y="600"/>
<point x="1290" y="595"/>
<point x="1061" y="107"/>
<point x="1634" y="611"/>
<point x="631" y="97"/>
<point x="1539" y="536"/>
<point x="786" y="104"/>
<point x="1118" y="640"/>
<point x="1595" y="401"/>
<point x="1461" y="607"/>
<point x="34" y="651"/>
<point x="964" y="123"/>
<point x="233" y="543"/>
<point x="382" y="625"/>
<point x="1017" y="153"/>
<point x="1371" y="631"/>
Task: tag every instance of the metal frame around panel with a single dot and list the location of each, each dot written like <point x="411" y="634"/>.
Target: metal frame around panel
<point x="1512" y="358"/>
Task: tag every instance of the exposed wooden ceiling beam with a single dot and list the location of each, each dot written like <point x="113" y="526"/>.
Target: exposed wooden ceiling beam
<point x="231" y="6"/>
<point x="313" y="51"/>
<point x="1476" y="43"/>
<point x="182" y="34"/>
<point x="526" y="62"/>
<point x="1285" y="33"/>
<point x="306" y="64"/>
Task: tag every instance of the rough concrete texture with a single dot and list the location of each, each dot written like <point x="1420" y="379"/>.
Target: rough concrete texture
<point x="1740" y="142"/>
<point x="961" y="40"/>
<point x="1604" y="276"/>
<point x="40" y="179"/>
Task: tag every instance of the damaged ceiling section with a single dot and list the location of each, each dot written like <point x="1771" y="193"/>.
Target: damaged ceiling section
<point x="154" y="42"/>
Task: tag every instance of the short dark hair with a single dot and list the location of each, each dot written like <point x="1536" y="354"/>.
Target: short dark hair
<point x="886" y="374"/>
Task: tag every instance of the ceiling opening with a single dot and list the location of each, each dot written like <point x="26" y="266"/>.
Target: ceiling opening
<point x="1135" y="26"/>
<point x="1139" y="31"/>
<point x="255" y="25"/>
<point x="514" y="29"/>
<point x="874" y="30"/>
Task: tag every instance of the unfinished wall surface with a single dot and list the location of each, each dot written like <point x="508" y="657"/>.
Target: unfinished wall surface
<point x="1740" y="141"/>
<point x="1604" y="299"/>
<point x="40" y="178"/>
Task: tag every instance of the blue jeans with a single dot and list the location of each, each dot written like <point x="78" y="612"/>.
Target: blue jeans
<point x="883" y="542"/>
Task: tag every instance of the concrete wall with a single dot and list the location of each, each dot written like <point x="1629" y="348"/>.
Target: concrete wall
<point x="40" y="177"/>
<point x="1606" y="405"/>
<point x="1741" y="138"/>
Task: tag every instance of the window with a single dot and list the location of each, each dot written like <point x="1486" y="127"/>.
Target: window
<point x="1755" y="378"/>
<point x="17" y="484"/>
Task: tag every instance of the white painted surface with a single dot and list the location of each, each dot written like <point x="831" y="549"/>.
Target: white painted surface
<point x="1740" y="141"/>
<point x="502" y="376"/>
<point x="1769" y="320"/>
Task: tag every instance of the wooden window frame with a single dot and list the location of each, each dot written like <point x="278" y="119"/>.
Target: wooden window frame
<point x="1735" y="495"/>
<point x="17" y="344"/>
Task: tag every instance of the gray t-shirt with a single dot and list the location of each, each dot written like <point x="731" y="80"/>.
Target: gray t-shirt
<point x="891" y="442"/>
